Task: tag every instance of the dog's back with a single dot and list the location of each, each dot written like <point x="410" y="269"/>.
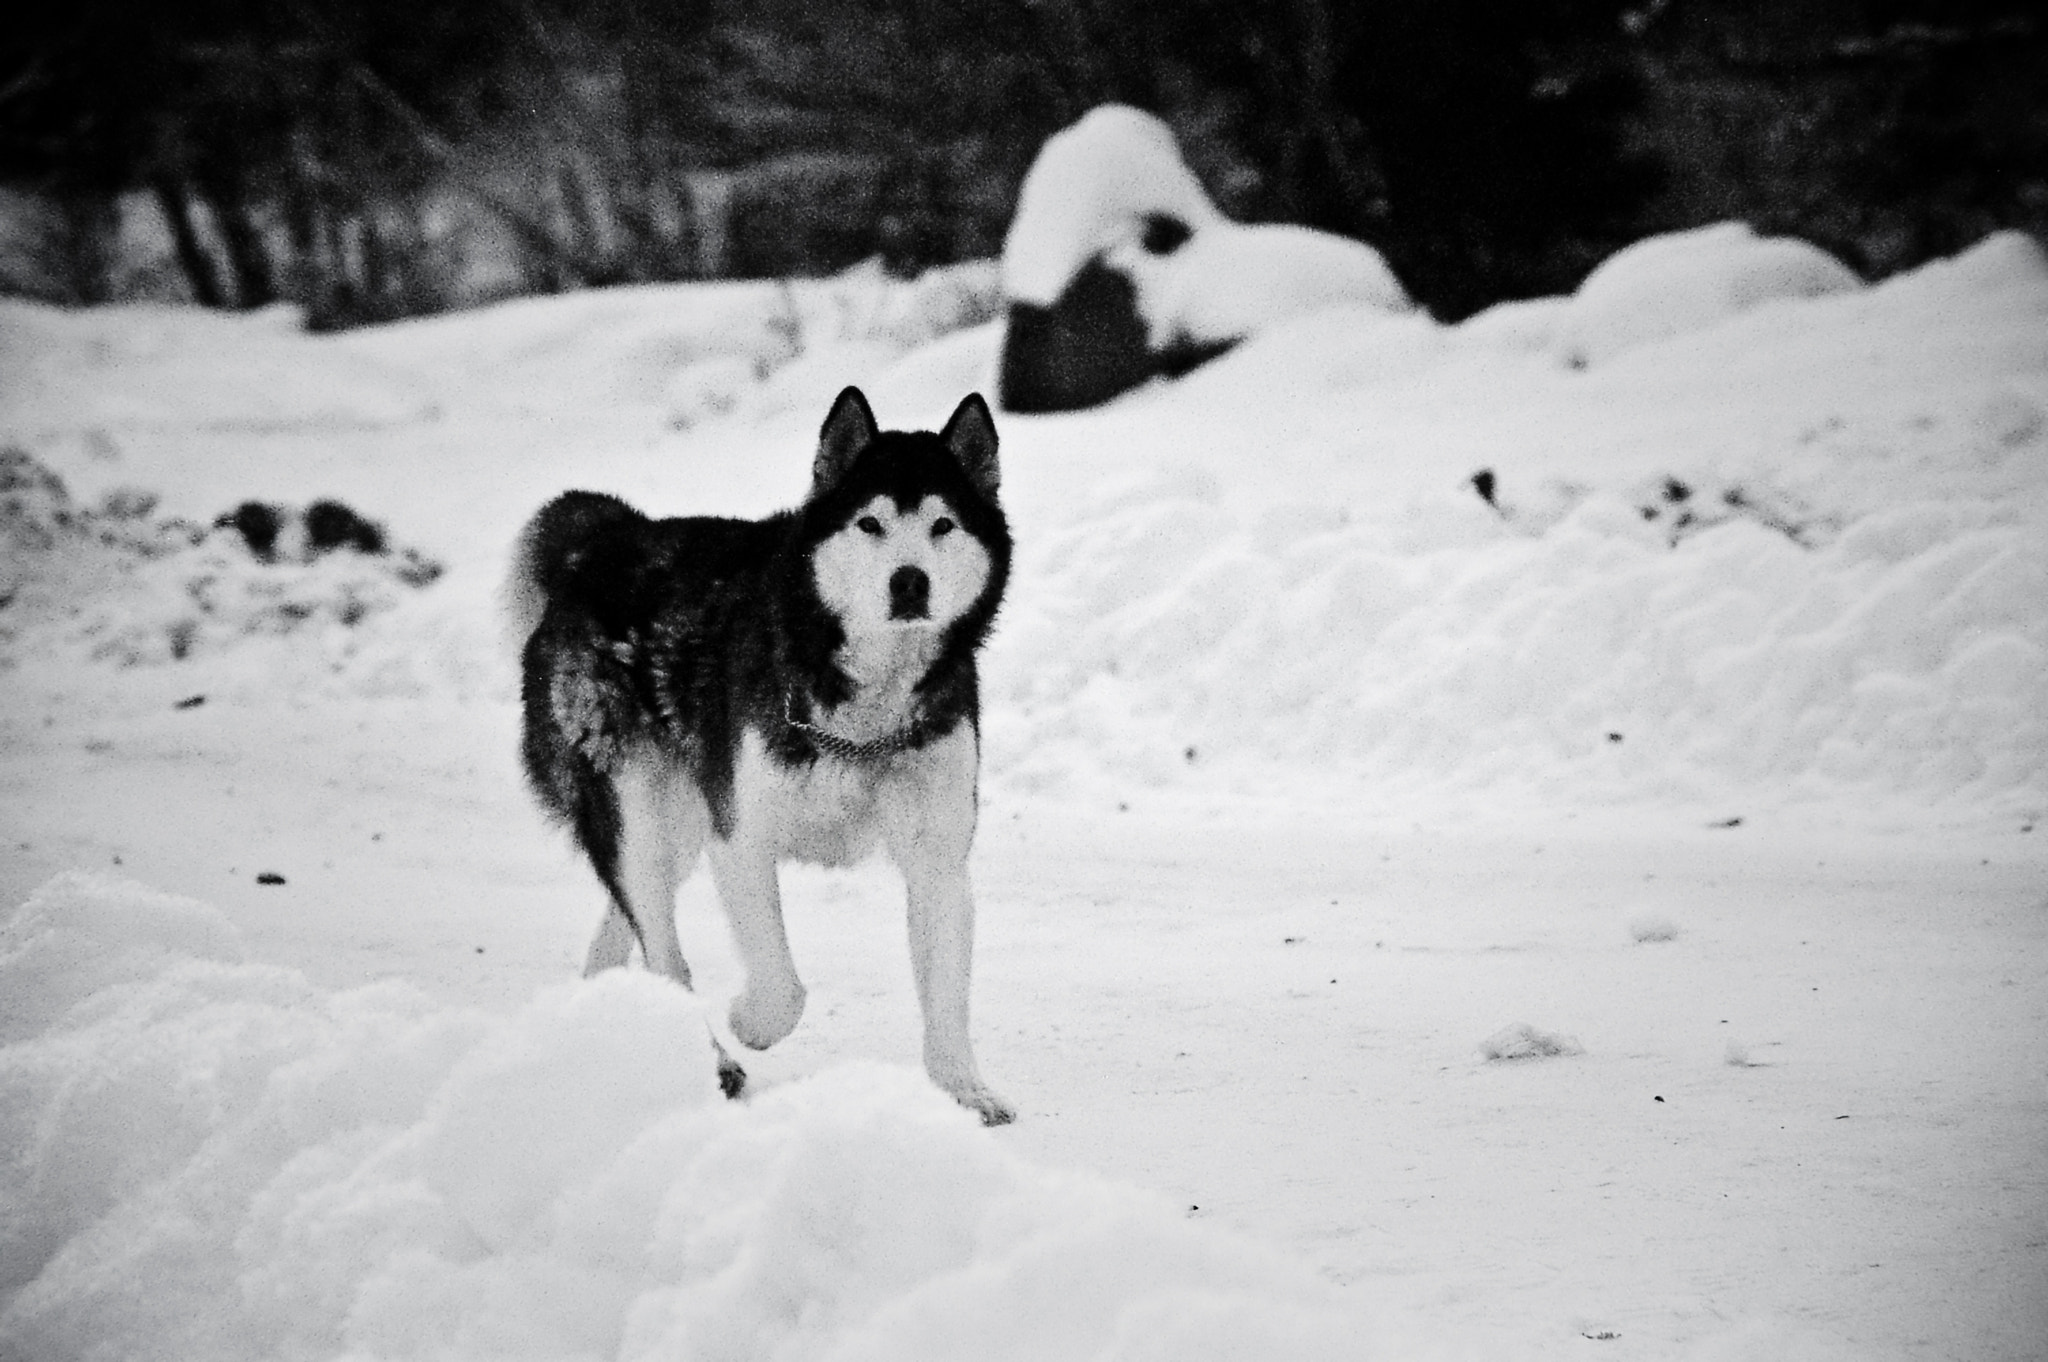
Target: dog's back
<point x="592" y="555"/>
<point x="624" y="627"/>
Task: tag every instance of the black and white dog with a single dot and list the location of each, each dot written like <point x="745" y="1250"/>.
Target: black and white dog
<point x="796" y="688"/>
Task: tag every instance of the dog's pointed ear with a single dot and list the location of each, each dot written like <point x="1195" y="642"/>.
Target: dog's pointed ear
<point x="849" y="428"/>
<point x="971" y="435"/>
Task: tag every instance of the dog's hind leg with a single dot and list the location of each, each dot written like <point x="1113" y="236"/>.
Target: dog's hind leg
<point x="661" y="833"/>
<point x="612" y="947"/>
<point x="662" y="825"/>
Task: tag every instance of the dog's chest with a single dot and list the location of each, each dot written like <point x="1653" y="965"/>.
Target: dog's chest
<point x="830" y="812"/>
<point x="834" y="810"/>
<point x="885" y="670"/>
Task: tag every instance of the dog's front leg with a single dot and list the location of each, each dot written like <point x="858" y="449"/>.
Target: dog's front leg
<point x="929" y="808"/>
<point x="772" y="1002"/>
<point x="941" y="912"/>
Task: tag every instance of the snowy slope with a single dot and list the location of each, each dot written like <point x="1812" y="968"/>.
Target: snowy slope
<point x="1309" y="770"/>
<point x="1304" y="571"/>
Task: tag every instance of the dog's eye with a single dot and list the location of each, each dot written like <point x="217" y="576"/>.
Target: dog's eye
<point x="942" y="525"/>
<point x="869" y="525"/>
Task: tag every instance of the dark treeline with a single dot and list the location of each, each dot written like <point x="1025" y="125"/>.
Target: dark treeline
<point x="369" y="159"/>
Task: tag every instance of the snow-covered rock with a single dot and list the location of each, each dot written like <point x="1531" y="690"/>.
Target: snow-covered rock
<point x="1117" y="268"/>
<point x="1090" y="190"/>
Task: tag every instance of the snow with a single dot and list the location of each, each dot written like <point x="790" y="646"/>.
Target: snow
<point x="1308" y="769"/>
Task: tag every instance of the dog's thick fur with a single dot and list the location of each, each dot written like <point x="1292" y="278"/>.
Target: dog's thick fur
<point x="796" y="688"/>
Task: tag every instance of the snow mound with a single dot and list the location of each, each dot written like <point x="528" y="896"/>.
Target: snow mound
<point x="82" y="932"/>
<point x="1523" y="1041"/>
<point x="211" y="1159"/>
<point x="1669" y="285"/>
<point x="1800" y="557"/>
<point x="1999" y="263"/>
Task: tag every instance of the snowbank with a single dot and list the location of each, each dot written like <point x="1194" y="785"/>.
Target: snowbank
<point x="1854" y="606"/>
<point x="1909" y="655"/>
<point x="695" y="354"/>
<point x="853" y="328"/>
<point x="215" y="1159"/>
<point x="1789" y="550"/>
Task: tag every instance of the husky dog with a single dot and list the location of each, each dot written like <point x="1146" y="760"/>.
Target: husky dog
<point x="796" y="688"/>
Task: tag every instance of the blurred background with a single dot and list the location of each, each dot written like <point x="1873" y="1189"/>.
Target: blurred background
<point x="367" y="160"/>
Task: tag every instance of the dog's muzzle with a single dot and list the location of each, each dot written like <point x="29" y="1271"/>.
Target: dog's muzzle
<point x="910" y="594"/>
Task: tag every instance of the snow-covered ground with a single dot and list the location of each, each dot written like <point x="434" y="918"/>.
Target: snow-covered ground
<point x="1709" y="749"/>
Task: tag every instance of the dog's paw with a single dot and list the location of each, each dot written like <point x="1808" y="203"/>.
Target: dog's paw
<point x="759" y="1021"/>
<point x="993" y="1110"/>
<point x="732" y="1079"/>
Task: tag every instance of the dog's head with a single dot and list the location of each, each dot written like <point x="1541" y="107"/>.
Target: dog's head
<point x="906" y="526"/>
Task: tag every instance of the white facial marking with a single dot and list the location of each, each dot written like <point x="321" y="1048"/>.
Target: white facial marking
<point x="853" y="568"/>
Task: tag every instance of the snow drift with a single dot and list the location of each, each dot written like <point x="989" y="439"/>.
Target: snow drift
<point x="215" y="1159"/>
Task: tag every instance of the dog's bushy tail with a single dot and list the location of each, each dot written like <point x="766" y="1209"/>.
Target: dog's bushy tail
<point x="548" y="552"/>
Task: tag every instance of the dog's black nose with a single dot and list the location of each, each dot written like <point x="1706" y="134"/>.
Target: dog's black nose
<point x="910" y="594"/>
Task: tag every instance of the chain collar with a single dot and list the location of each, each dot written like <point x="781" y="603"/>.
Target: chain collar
<point x="846" y="749"/>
